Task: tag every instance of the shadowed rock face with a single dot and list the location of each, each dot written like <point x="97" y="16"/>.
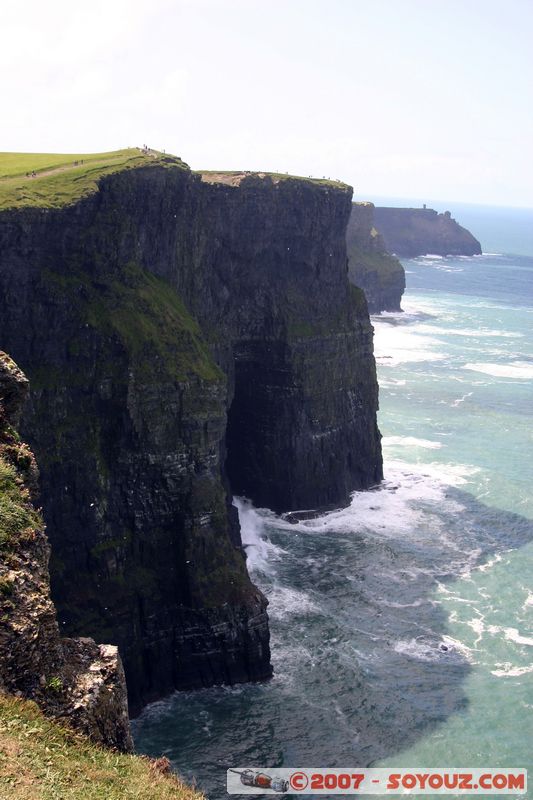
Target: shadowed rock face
<point x="185" y="339"/>
<point x="71" y="679"/>
<point x="301" y="428"/>
<point x="411" y="232"/>
<point x="370" y="266"/>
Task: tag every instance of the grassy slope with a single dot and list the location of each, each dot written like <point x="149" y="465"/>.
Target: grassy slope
<point x="61" y="179"/>
<point x="39" y="760"/>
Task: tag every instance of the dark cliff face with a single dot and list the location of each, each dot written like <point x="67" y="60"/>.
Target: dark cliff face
<point x="370" y="266"/>
<point x="301" y="426"/>
<point x="71" y="679"/>
<point x="167" y="323"/>
<point x="411" y="232"/>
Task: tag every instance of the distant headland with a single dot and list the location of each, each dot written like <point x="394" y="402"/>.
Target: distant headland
<point x="411" y="232"/>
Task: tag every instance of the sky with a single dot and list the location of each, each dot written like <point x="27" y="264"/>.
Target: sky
<point x="399" y="98"/>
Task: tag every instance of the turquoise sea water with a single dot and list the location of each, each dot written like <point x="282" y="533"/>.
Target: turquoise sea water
<point x="402" y="625"/>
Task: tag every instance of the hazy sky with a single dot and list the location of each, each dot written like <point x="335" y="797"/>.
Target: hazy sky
<point x="411" y="98"/>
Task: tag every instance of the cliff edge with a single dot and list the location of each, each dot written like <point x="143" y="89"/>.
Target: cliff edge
<point x="411" y="232"/>
<point x="370" y="266"/>
<point x="73" y="680"/>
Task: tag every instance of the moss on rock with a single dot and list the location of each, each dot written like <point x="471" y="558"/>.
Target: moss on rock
<point x="146" y="315"/>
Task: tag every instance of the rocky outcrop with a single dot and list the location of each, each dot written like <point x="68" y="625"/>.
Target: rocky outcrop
<point x="71" y="679"/>
<point x="187" y="338"/>
<point x="411" y="232"/>
<point x="370" y="266"/>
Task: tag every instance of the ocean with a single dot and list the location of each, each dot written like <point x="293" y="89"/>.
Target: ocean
<point x="402" y="625"/>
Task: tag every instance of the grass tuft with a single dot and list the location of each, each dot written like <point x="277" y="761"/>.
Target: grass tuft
<point x="18" y="518"/>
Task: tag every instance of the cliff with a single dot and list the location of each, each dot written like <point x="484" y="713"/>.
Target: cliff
<point x="370" y="266"/>
<point x="187" y="337"/>
<point x="301" y="425"/>
<point x="73" y="680"/>
<point x="411" y="232"/>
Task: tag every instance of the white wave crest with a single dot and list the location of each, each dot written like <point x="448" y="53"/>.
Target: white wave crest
<point x="422" y="651"/>
<point x="436" y="330"/>
<point x="260" y="551"/>
<point x="398" y="506"/>
<point x="509" y="634"/>
<point x="410" y="441"/>
<point x="285" y="602"/>
<point x="490" y="563"/>
<point x="457" y="403"/>
<point x="392" y="382"/>
<point x="507" y="670"/>
<point x="516" y="369"/>
<point x="395" y="345"/>
<point x="512" y="635"/>
<point x="431" y="651"/>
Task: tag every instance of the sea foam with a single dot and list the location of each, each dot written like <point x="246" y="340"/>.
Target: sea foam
<point x="396" y="345"/>
<point x="521" y="370"/>
<point x="410" y="441"/>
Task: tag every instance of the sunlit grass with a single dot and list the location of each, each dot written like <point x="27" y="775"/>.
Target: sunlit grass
<point x="52" y="180"/>
<point x="40" y="760"/>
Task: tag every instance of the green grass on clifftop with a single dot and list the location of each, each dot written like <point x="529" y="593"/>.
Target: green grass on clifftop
<point x="62" y="179"/>
<point x="39" y="760"/>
